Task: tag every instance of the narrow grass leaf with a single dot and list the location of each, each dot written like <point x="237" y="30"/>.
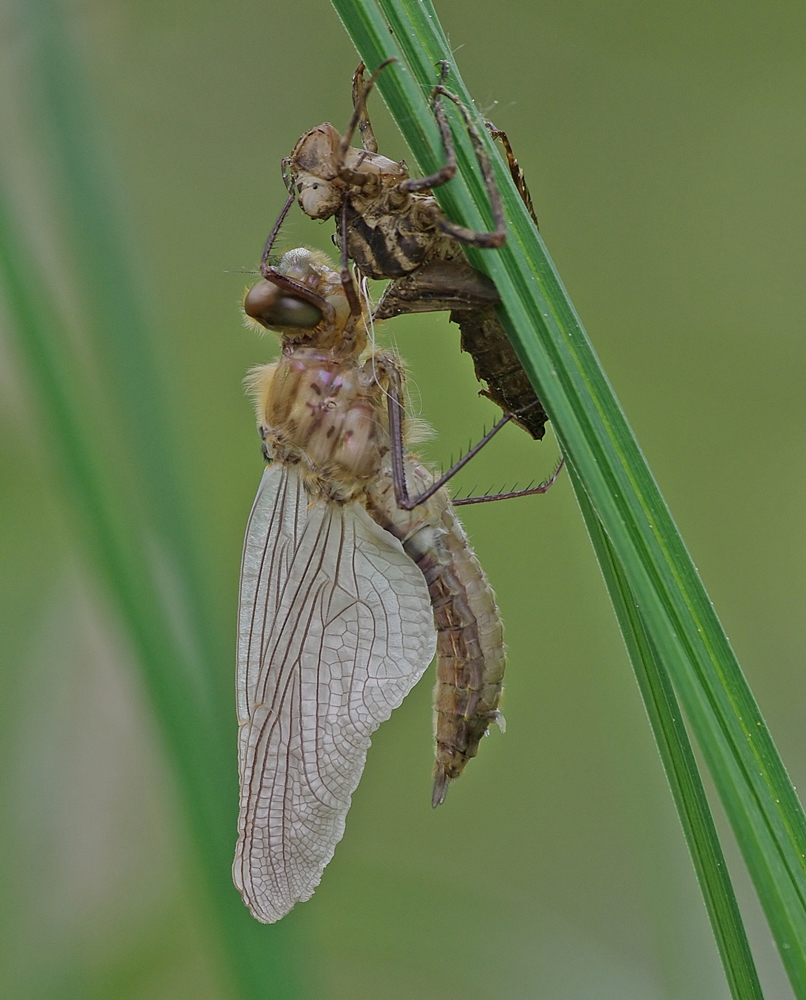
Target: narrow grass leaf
<point x="680" y="765"/>
<point x="680" y="623"/>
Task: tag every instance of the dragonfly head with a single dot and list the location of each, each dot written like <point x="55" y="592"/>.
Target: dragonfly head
<point x="313" y="172"/>
<point x="303" y="299"/>
<point x="276" y="309"/>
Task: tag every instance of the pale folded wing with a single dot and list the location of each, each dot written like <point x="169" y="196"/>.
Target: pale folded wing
<point x="335" y="627"/>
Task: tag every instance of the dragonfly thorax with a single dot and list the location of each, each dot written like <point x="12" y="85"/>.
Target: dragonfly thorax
<point x="327" y="413"/>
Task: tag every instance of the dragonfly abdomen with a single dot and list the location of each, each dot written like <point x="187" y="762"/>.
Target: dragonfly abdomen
<point x="470" y="658"/>
<point x="470" y="638"/>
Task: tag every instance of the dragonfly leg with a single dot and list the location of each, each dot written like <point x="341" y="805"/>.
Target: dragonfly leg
<point x="470" y="237"/>
<point x="448" y="170"/>
<point x="264" y="260"/>
<point x="514" y="169"/>
<point x="347" y="282"/>
<point x="530" y="491"/>
<point x="360" y="94"/>
<point x="396" y="419"/>
<point x="360" y="119"/>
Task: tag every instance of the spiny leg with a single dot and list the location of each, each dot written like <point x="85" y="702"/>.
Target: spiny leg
<point x="448" y="170"/>
<point x="359" y="114"/>
<point x="543" y="487"/>
<point x="360" y="93"/>
<point x="514" y="169"/>
<point x="485" y="240"/>
<point x="404" y="501"/>
<point x="264" y="260"/>
<point x="396" y="416"/>
<point x="347" y="282"/>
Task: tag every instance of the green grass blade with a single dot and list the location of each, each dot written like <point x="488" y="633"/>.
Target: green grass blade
<point x="679" y="763"/>
<point x="115" y="461"/>
<point x="678" y="618"/>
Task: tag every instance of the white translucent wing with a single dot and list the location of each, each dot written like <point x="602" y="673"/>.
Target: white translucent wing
<point x="335" y="627"/>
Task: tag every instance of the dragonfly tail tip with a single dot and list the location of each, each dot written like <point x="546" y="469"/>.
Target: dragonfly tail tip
<point x="441" y="781"/>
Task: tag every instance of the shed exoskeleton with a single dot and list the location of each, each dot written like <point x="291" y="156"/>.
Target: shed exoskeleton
<point x="390" y="226"/>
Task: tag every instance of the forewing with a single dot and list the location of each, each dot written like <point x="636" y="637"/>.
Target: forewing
<point x="335" y="627"/>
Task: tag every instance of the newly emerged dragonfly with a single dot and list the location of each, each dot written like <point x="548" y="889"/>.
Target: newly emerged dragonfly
<point x="348" y="586"/>
<point x="391" y="226"/>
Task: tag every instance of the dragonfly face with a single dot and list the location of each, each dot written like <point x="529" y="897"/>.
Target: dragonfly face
<point x="344" y="596"/>
<point x="320" y="169"/>
<point x="304" y="300"/>
<point x="275" y="309"/>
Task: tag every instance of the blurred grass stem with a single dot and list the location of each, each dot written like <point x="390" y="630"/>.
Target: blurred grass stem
<point x="103" y="415"/>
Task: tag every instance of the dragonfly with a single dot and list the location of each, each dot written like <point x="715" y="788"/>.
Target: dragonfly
<point x="390" y="226"/>
<point x="355" y="571"/>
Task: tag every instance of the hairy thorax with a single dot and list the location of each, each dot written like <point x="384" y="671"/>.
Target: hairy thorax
<point x="326" y="413"/>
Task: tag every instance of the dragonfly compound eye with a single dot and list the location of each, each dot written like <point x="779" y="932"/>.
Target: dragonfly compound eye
<point x="277" y="310"/>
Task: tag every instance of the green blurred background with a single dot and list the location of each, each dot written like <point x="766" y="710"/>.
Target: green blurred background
<point x="664" y="145"/>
